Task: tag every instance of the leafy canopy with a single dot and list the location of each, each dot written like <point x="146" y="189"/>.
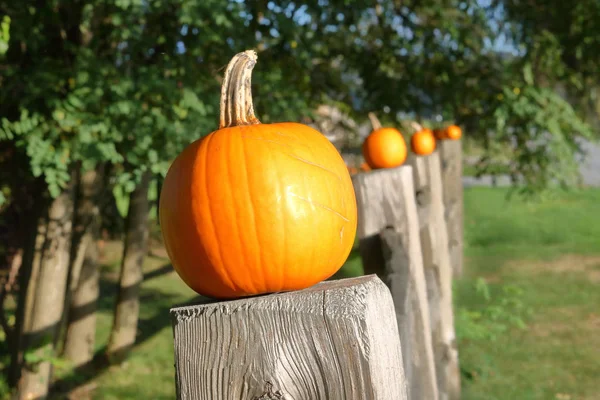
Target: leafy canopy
<point x="131" y="82"/>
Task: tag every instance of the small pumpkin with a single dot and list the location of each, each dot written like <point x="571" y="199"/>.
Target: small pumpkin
<point x="352" y="170"/>
<point x="384" y="147"/>
<point x="453" y="132"/>
<point x="440" y="133"/>
<point x="422" y="142"/>
<point x="365" y="167"/>
<point x="256" y="208"/>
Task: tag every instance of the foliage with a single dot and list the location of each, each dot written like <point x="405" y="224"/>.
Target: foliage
<point x="102" y="94"/>
<point x="132" y="82"/>
<point x="549" y="250"/>
<point x="4" y="34"/>
<point x="449" y="58"/>
<point x="494" y="316"/>
<point x="538" y="125"/>
<point x="559" y="40"/>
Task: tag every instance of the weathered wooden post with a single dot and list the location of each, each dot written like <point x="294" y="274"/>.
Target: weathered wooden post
<point x="451" y="163"/>
<point x="337" y="340"/>
<point x="438" y="271"/>
<point x="388" y="230"/>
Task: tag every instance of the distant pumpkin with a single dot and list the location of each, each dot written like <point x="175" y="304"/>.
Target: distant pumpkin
<point x="440" y="133"/>
<point x="365" y="167"/>
<point x="256" y="208"/>
<point x="384" y="147"/>
<point x="453" y="132"/>
<point x="423" y="142"/>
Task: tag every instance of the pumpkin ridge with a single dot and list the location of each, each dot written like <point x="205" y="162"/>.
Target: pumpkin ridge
<point x="252" y="213"/>
<point x="235" y="223"/>
<point x="283" y="217"/>
<point x="332" y="240"/>
<point x="223" y="270"/>
<point x="283" y="221"/>
<point x="306" y="189"/>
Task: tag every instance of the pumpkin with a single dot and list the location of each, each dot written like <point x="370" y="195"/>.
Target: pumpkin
<point x="439" y="134"/>
<point x="365" y="167"/>
<point x="422" y="142"/>
<point x="256" y="208"/>
<point x="453" y="132"/>
<point x="384" y="147"/>
<point x="352" y="170"/>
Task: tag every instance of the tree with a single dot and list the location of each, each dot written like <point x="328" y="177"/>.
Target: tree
<point x="105" y="82"/>
<point x="129" y="83"/>
<point x="84" y="280"/>
<point x="559" y="40"/>
<point x="127" y="307"/>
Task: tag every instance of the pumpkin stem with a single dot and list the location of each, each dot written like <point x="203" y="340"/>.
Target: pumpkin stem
<point x="374" y="121"/>
<point x="236" y="92"/>
<point x="416" y="126"/>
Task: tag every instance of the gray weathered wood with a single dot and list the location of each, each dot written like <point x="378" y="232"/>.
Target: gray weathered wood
<point x="438" y="271"/>
<point x="451" y="161"/>
<point x="390" y="246"/>
<point x="337" y="340"/>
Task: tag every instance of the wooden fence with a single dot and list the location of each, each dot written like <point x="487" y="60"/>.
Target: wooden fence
<point x="388" y="335"/>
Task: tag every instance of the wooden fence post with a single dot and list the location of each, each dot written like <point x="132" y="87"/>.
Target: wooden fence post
<point x="337" y="340"/>
<point x="438" y="271"/>
<point x="451" y="160"/>
<point x="388" y="230"/>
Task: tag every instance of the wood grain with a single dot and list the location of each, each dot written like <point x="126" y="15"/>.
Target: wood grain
<point x="388" y="229"/>
<point x="438" y="271"/>
<point x="337" y="340"/>
<point x="451" y="163"/>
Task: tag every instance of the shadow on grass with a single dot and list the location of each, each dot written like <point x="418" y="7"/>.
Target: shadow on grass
<point x="165" y="269"/>
<point x="150" y="299"/>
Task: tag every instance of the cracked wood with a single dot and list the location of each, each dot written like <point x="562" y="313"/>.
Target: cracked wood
<point x="337" y="340"/>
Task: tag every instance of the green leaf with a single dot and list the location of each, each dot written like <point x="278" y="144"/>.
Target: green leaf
<point x="528" y="74"/>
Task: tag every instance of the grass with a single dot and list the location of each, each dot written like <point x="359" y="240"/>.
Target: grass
<point x="497" y="170"/>
<point x="148" y="373"/>
<point x="549" y="250"/>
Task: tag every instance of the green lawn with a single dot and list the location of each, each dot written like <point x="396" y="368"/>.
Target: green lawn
<point x="539" y="262"/>
<point x="551" y="252"/>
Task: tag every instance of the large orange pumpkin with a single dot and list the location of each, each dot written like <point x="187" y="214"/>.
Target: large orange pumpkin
<point x="423" y="142"/>
<point x="384" y="147"/>
<point x="256" y="208"/>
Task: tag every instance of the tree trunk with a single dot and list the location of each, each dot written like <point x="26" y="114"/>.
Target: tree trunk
<point x="159" y="184"/>
<point x="34" y="207"/>
<point x="84" y="285"/>
<point x="44" y="298"/>
<point x="124" y="329"/>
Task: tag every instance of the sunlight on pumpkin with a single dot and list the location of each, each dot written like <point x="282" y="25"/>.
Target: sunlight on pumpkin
<point x="260" y="207"/>
<point x="294" y="207"/>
